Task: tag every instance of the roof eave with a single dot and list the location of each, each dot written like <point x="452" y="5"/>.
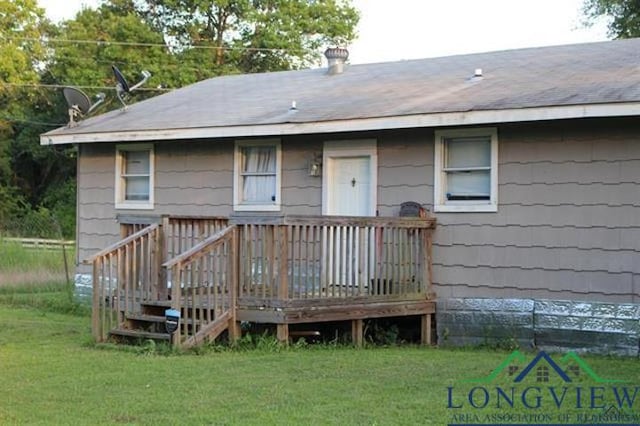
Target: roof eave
<point x="441" y="119"/>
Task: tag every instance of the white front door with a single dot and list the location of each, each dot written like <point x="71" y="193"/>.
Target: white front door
<point x="349" y="187"/>
<point x="350" y="170"/>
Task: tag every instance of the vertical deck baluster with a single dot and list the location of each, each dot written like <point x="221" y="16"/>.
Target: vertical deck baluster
<point x="323" y="259"/>
<point x="392" y="260"/>
<point x="119" y="280"/>
<point x="110" y="293"/>
<point x="402" y="269"/>
<point x="193" y="287"/>
<point x="299" y="282"/>
<point x="135" y="270"/>
<point x="335" y="260"/>
<point x="247" y="277"/>
<point x="307" y="249"/>
<point x="361" y="266"/>
<point x="266" y="254"/>
<point x="210" y="281"/>
<point x="222" y="280"/>
<point x="125" y="267"/>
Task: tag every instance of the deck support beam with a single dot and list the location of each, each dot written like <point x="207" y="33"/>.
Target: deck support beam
<point x="283" y="333"/>
<point x="425" y="329"/>
<point x="357" y="335"/>
<point x="235" y="332"/>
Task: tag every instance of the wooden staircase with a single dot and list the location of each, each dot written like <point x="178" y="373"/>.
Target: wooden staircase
<point x="132" y="278"/>
<point x="149" y="324"/>
<point x="285" y="270"/>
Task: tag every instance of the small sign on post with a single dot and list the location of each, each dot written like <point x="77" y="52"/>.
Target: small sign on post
<point x="172" y="320"/>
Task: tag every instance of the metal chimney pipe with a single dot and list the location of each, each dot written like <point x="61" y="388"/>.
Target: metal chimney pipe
<point x="336" y="57"/>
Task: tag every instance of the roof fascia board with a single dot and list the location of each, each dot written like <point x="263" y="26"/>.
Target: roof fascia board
<point x="445" y="119"/>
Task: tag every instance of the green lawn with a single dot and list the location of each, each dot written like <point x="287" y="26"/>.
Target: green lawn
<point x="51" y="373"/>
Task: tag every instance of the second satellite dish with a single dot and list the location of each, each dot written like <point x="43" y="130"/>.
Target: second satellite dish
<point x="122" y="86"/>
<point x="79" y="103"/>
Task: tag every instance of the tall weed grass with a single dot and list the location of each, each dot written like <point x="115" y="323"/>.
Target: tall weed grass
<point x="31" y="278"/>
<point x="21" y="266"/>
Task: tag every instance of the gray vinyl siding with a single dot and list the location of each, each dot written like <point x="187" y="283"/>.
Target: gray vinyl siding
<point x="567" y="226"/>
<point x="567" y="222"/>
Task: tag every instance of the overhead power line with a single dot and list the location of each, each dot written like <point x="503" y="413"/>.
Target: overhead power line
<point x="140" y="44"/>
<point x="62" y="86"/>
<point x="38" y="123"/>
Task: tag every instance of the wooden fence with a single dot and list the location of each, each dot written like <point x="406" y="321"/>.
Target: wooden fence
<point x="40" y="243"/>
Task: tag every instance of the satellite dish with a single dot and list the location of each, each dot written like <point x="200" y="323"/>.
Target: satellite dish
<point x="79" y="103"/>
<point x="122" y="86"/>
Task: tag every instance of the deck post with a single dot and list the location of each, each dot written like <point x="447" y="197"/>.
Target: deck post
<point x="234" y="285"/>
<point x="95" y="312"/>
<point x="357" y="335"/>
<point x="161" y="255"/>
<point x="283" y="267"/>
<point x="425" y="329"/>
<point x="176" y="302"/>
<point x="283" y="333"/>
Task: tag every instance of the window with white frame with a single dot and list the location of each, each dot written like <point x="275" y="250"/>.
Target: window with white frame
<point x="134" y="176"/>
<point x="466" y="170"/>
<point x="257" y="175"/>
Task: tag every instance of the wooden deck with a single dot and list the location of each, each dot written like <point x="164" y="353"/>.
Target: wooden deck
<point x="284" y="270"/>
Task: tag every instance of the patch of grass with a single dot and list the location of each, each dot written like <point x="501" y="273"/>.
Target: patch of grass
<point x="20" y="266"/>
<point x="52" y="376"/>
<point x="51" y="297"/>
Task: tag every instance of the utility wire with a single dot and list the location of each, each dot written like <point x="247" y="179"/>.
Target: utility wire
<point x="62" y="86"/>
<point x="38" y="123"/>
<point x="139" y="44"/>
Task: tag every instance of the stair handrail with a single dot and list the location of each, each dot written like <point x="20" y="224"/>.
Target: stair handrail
<point x="180" y="263"/>
<point x="198" y="250"/>
<point x="121" y="243"/>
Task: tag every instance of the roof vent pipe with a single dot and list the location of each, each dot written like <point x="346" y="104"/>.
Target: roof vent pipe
<point x="336" y="56"/>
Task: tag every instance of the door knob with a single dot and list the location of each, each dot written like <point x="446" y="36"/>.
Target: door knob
<point x="353" y="182"/>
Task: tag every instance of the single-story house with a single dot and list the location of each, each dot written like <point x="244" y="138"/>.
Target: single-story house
<point x="528" y="160"/>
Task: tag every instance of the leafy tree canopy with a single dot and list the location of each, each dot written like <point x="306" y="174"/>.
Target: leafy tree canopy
<point x="623" y="15"/>
<point x="250" y="35"/>
<point x="178" y="41"/>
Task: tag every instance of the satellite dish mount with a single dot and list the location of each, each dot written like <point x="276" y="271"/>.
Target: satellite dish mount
<point x="79" y="104"/>
<point x="122" y="86"/>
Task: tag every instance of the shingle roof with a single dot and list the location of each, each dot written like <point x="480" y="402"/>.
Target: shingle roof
<point x="582" y="74"/>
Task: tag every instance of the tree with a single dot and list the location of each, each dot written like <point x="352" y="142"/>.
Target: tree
<point x="623" y="15"/>
<point x="22" y="24"/>
<point x="178" y="41"/>
<point x="232" y="36"/>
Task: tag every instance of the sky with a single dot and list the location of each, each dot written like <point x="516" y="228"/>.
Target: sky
<point x="391" y="30"/>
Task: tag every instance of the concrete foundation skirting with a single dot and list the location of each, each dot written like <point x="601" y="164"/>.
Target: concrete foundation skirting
<point x="551" y="325"/>
<point x="84" y="288"/>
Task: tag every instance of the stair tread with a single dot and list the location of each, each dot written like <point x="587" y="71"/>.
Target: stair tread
<point x="141" y="334"/>
<point x="161" y="303"/>
<point x="158" y="318"/>
<point x="146" y="317"/>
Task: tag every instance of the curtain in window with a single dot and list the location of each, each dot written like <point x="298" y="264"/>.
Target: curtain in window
<point x="259" y="174"/>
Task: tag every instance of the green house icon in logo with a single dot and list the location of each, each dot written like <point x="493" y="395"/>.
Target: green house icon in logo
<point x="542" y="366"/>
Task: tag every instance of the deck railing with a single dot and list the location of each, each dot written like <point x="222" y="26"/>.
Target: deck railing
<point x="184" y="232"/>
<point x="124" y="275"/>
<point x="203" y="282"/>
<point x="205" y="266"/>
<point x="324" y="257"/>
